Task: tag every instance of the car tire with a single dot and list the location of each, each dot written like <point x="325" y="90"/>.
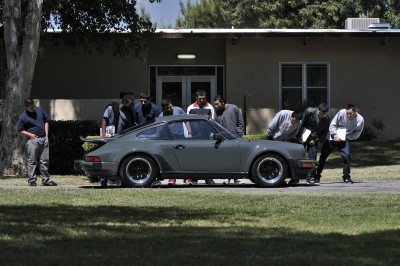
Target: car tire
<point x="269" y="170"/>
<point x="138" y="171"/>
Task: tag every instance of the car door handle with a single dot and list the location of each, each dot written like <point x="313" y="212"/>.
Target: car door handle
<point x="179" y="147"/>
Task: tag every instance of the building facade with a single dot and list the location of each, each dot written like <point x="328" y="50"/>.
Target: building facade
<point x="261" y="71"/>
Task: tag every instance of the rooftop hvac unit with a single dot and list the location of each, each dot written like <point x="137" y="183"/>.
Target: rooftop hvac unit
<point x="359" y="23"/>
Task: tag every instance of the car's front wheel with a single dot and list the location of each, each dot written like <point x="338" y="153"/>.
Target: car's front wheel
<point x="269" y="170"/>
<point x="138" y="171"/>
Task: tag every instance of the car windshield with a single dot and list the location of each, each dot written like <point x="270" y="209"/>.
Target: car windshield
<point x="227" y="134"/>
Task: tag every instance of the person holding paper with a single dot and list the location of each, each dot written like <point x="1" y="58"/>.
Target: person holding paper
<point x="315" y="126"/>
<point x="352" y="123"/>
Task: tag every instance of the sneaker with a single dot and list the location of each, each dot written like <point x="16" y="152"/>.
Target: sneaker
<point x="50" y="184"/>
<point x="210" y="182"/>
<point x="32" y="183"/>
<point x="156" y="183"/>
<point x="118" y="183"/>
<point x="171" y="182"/>
<point x="348" y="180"/>
<point x="238" y="182"/>
<point x="188" y="181"/>
<point x="226" y="182"/>
<point x="294" y="181"/>
<point x="312" y="180"/>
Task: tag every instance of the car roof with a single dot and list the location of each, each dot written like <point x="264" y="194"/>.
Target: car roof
<point x="180" y="117"/>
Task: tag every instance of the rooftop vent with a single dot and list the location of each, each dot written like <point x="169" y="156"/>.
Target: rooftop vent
<point x="359" y="23"/>
<point x="382" y="26"/>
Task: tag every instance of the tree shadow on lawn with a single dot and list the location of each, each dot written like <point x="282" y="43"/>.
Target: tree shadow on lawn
<point x="109" y="235"/>
<point x="368" y="154"/>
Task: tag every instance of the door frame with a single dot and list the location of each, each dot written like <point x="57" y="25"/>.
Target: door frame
<point x="186" y="82"/>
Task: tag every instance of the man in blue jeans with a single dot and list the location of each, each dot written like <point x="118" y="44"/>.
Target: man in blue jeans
<point x="316" y="120"/>
<point x="33" y="123"/>
<point x="347" y="125"/>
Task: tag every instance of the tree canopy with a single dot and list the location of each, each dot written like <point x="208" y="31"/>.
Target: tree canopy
<point x="87" y="23"/>
<point x="288" y="14"/>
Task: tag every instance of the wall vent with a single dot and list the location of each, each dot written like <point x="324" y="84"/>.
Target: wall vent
<point x="359" y="23"/>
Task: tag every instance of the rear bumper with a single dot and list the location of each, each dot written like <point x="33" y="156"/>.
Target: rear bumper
<point x="104" y="169"/>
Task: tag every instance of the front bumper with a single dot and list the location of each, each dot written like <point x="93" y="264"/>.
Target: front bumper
<point x="103" y="169"/>
<point x="302" y="168"/>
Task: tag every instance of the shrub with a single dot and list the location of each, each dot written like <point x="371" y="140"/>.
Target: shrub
<point x="65" y="144"/>
<point x="371" y="132"/>
<point x="255" y="137"/>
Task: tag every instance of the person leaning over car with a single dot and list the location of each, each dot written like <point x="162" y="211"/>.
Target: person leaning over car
<point x="229" y="116"/>
<point x="315" y="119"/>
<point x="146" y="111"/>
<point x="351" y="123"/>
<point x="33" y="123"/>
<point x="284" y="126"/>
<point x="119" y="114"/>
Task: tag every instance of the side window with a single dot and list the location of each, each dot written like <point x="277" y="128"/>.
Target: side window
<point x="158" y="132"/>
<point x="178" y="130"/>
<point x="202" y="130"/>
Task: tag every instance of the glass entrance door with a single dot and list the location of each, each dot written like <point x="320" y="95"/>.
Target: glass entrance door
<point x="182" y="90"/>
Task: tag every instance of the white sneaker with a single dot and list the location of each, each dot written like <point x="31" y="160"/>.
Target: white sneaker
<point x="226" y="182"/>
<point x="238" y="182"/>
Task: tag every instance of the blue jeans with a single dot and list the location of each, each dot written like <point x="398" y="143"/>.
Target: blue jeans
<point x="344" y="151"/>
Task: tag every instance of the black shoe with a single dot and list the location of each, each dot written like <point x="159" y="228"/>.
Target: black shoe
<point x="210" y="182"/>
<point x="103" y="182"/>
<point x="50" y="184"/>
<point x="294" y="182"/>
<point x="32" y="184"/>
<point x="348" y="180"/>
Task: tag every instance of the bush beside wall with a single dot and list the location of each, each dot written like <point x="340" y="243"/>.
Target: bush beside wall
<point x="65" y="144"/>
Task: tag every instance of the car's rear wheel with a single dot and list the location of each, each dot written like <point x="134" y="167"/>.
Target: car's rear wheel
<point x="269" y="170"/>
<point x="138" y="171"/>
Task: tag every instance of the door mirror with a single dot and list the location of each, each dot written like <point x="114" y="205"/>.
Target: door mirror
<point x="218" y="137"/>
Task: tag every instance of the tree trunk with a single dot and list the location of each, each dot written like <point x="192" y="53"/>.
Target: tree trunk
<point x="21" y="35"/>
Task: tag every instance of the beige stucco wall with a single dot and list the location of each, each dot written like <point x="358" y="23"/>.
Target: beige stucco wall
<point x="362" y="71"/>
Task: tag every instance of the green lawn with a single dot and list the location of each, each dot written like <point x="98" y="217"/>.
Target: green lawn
<point x="178" y="227"/>
<point x="61" y="226"/>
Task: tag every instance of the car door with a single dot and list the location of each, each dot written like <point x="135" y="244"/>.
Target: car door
<point x="199" y="152"/>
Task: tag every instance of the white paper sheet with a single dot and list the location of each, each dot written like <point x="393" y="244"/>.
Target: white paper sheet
<point x="306" y="134"/>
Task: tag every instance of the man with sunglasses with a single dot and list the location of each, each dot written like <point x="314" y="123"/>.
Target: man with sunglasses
<point x="346" y="126"/>
<point x="316" y="120"/>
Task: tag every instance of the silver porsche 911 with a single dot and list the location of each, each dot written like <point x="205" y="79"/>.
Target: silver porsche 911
<point x="195" y="147"/>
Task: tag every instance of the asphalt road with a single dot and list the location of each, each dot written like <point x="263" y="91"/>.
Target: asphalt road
<point x="248" y="187"/>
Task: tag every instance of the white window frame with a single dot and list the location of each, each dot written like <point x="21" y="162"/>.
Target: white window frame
<point x="304" y="79"/>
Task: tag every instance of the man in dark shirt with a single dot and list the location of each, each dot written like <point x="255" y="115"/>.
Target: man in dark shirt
<point x="146" y="111"/>
<point x="33" y="123"/>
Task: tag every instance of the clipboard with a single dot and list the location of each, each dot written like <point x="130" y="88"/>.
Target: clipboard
<point x="306" y="133"/>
